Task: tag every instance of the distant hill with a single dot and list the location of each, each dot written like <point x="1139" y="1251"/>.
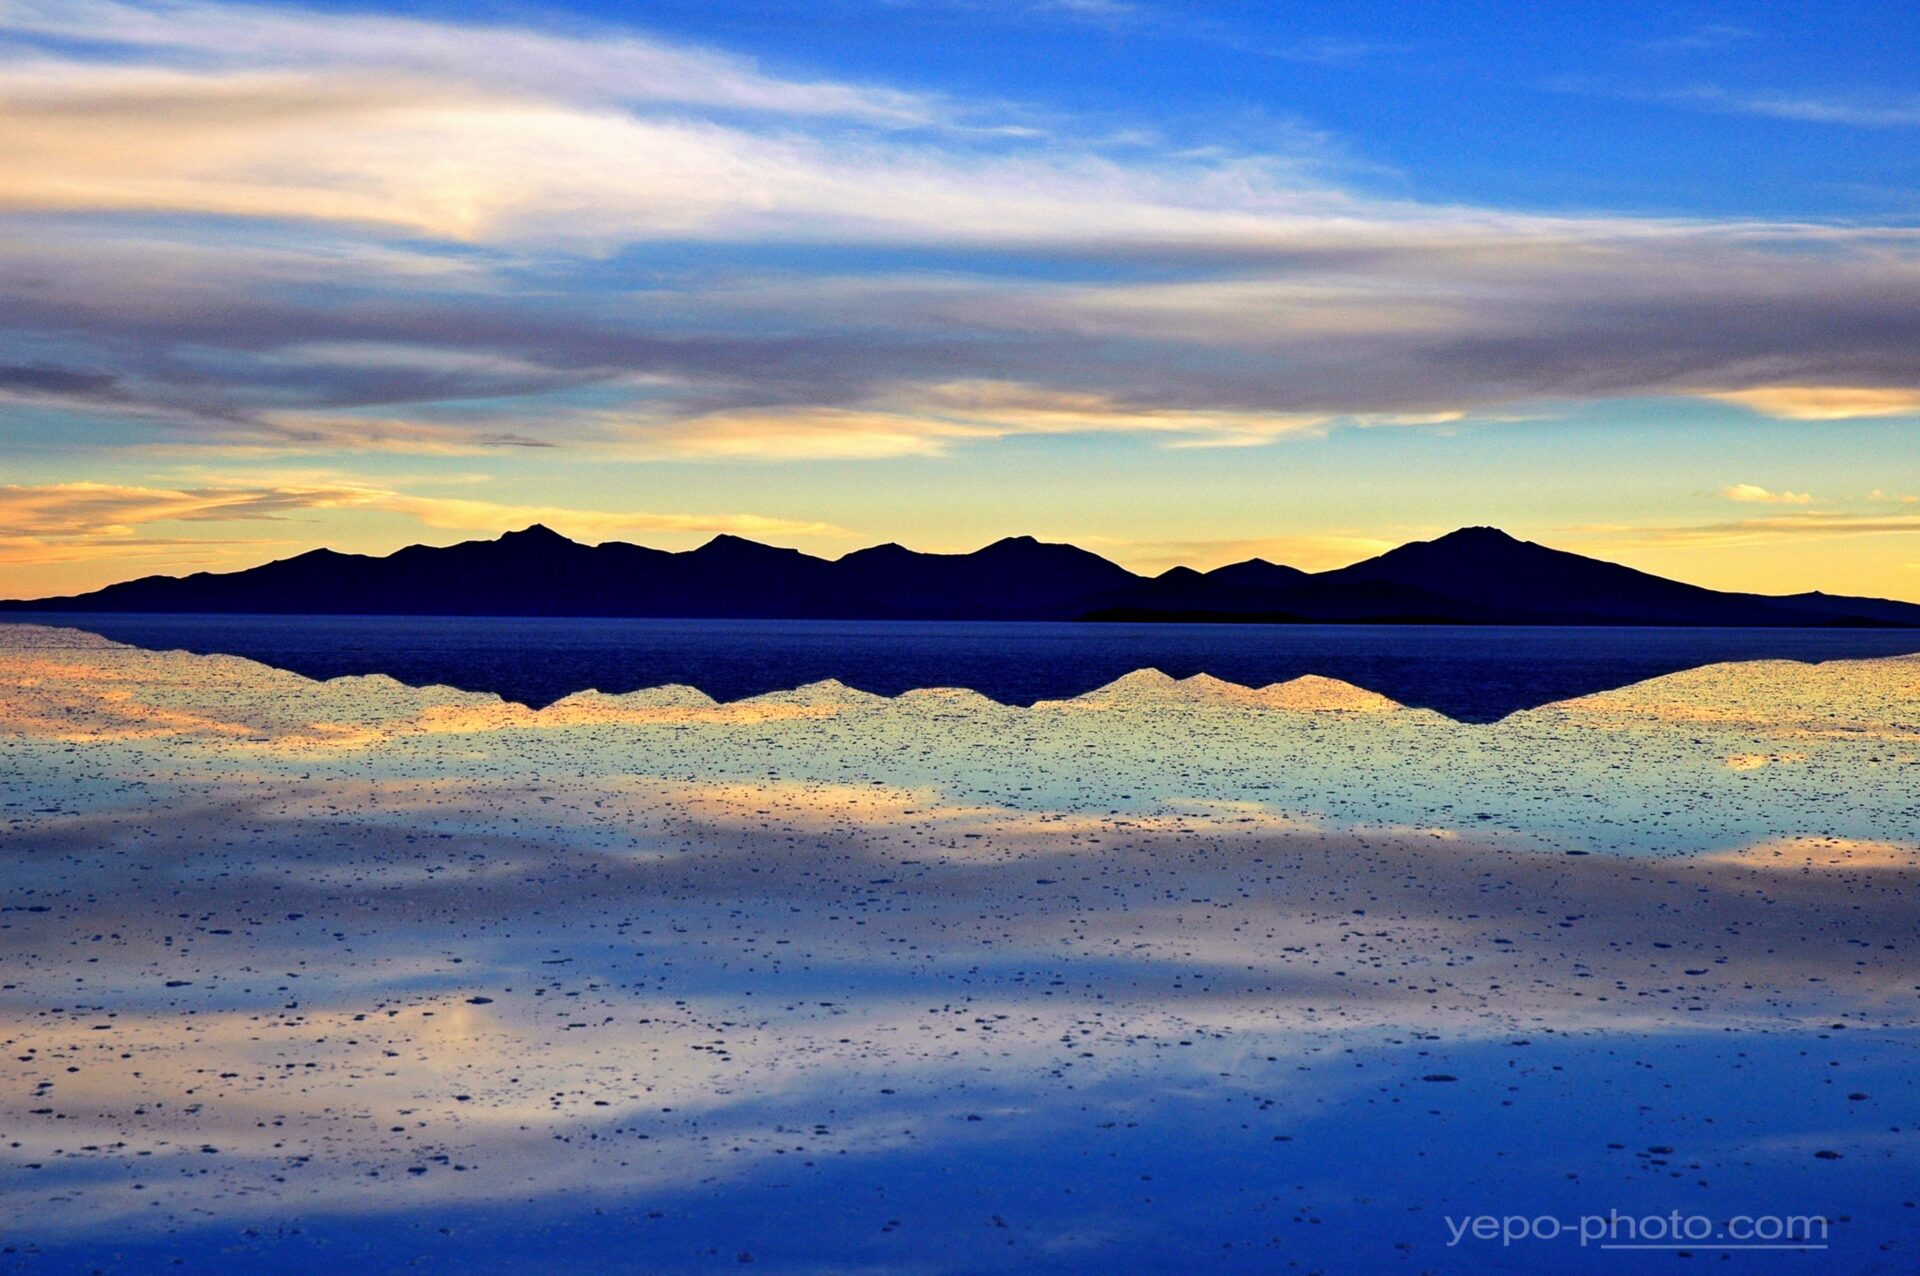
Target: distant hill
<point x="1478" y="575"/>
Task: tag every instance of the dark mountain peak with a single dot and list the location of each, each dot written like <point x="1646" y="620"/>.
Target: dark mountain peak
<point x="535" y="534"/>
<point x="1030" y="548"/>
<point x="1073" y="577"/>
<point x="1179" y="576"/>
<point x="736" y="553"/>
<point x="1482" y="539"/>
<point x="890" y="552"/>
<point x="1484" y="575"/>
<point x="729" y="545"/>
<point x="1255" y="568"/>
<point x="1467" y="549"/>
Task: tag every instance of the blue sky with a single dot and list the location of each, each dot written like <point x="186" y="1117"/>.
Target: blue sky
<point x="1652" y="108"/>
<point x="1179" y="282"/>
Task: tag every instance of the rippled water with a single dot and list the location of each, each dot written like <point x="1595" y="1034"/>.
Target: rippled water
<point x="1170" y="975"/>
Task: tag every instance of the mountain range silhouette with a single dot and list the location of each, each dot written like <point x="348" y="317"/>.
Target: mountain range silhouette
<point x="1477" y="575"/>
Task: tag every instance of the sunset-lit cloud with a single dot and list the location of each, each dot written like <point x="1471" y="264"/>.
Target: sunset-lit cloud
<point x="1813" y="523"/>
<point x="1753" y="494"/>
<point x="51" y="518"/>
<point x="930" y="420"/>
<point x="593" y="525"/>
<point x="73" y="509"/>
<point x="581" y="142"/>
<point x="1824" y="402"/>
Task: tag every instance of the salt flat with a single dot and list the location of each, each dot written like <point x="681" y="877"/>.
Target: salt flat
<point x="1175" y="974"/>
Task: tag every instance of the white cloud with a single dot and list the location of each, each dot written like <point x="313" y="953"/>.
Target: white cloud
<point x="587" y="63"/>
<point x="1754" y="495"/>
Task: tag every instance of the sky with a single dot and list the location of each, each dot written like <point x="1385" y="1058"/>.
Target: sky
<point x="1178" y="283"/>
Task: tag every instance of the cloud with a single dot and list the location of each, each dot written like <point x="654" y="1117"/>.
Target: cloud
<point x="282" y="432"/>
<point x="1709" y="35"/>
<point x="238" y="348"/>
<point x="52" y="522"/>
<point x="1898" y="112"/>
<point x="1858" y="110"/>
<point x="586" y="62"/>
<point x="1748" y="492"/>
<point x="805" y="434"/>
<point x="1813" y="523"/>
<point x="1103" y="12"/>
<point x="96" y="509"/>
<point x="1824" y="402"/>
<point x="487" y="516"/>
<point x="274" y="231"/>
<point x="481" y="134"/>
<point x="24" y="380"/>
<point x="1333" y="51"/>
<point x="928" y="420"/>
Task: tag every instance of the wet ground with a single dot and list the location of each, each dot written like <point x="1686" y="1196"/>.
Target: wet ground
<point x="1172" y="975"/>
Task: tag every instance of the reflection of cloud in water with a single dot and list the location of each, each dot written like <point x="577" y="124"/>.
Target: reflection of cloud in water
<point x="1824" y="853"/>
<point x="355" y="936"/>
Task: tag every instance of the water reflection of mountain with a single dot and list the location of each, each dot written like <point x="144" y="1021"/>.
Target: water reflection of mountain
<point x="1472" y="674"/>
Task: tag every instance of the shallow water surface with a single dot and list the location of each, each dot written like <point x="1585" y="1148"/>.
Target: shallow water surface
<point x="1472" y="673"/>
<point x="1174" y="974"/>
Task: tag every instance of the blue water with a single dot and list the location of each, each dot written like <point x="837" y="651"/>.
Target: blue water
<point x="1470" y="673"/>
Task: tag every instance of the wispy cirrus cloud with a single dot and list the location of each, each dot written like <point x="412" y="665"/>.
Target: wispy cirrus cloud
<point x="1704" y="37"/>
<point x="107" y="509"/>
<point x="1810" y="108"/>
<point x="166" y="44"/>
<point x="42" y="519"/>
<point x="1854" y="108"/>
<point x="456" y="514"/>
<point x="1749" y="531"/>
